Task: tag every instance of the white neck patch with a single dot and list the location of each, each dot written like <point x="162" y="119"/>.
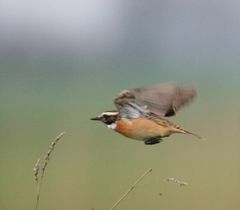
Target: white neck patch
<point x="112" y="126"/>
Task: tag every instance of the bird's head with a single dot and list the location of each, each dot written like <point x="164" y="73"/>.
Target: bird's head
<point x="107" y="117"/>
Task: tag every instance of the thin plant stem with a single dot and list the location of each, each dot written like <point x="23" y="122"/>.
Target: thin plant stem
<point x="131" y="188"/>
<point x="43" y="167"/>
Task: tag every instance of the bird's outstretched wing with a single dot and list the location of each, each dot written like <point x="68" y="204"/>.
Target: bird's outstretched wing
<point x="163" y="100"/>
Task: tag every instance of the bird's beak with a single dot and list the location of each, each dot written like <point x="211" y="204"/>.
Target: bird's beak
<point x="96" y="118"/>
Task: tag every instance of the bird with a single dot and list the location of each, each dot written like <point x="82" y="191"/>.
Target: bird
<point x="142" y="113"/>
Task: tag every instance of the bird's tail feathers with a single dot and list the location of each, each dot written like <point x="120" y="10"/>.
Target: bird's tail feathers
<point x="184" y="131"/>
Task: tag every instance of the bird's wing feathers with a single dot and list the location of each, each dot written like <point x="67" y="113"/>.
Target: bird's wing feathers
<point x="163" y="100"/>
<point x="132" y="111"/>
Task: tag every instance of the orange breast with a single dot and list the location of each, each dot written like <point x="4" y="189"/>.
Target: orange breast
<point x="140" y="128"/>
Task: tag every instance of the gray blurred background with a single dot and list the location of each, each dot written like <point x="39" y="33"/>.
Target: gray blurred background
<point x="62" y="62"/>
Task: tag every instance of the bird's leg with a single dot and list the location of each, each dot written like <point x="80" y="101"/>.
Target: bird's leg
<point x="153" y="140"/>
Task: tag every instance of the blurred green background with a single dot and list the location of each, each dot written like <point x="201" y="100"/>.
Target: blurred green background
<point x="63" y="62"/>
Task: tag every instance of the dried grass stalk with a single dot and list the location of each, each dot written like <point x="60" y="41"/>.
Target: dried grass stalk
<point x="131" y="188"/>
<point x="176" y="181"/>
<point x="39" y="174"/>
<point x="36" y="170"/>
<point x="50" y="150"/>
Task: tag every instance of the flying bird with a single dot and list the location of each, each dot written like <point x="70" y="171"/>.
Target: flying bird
<point x="142" y="112"/>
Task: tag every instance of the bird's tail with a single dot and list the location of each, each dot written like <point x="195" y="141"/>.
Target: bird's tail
<point x="184" y="131"/>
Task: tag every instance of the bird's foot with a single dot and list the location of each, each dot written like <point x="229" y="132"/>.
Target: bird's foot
<point x="154" y="140"/>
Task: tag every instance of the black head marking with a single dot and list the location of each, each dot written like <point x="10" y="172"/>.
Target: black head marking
<point x="108" y="117"/>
